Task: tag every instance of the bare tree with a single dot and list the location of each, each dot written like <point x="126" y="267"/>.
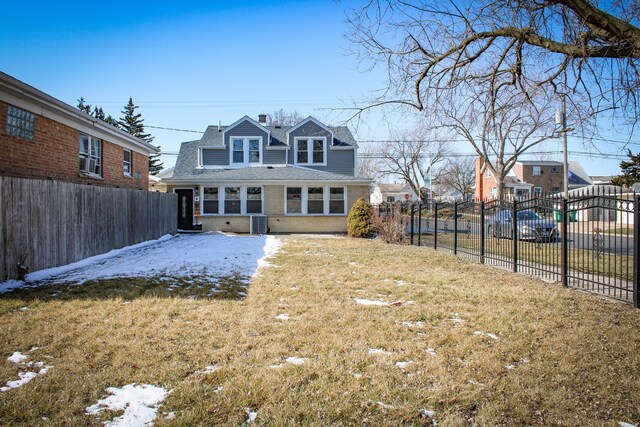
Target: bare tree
<point x="459" y="175"/>
<point x="369" y="163"/>
<point x="284" y="118"/>
<point x="588" y="50"/>
<point x="412" y="157"/>
<point x="499" y="128"/>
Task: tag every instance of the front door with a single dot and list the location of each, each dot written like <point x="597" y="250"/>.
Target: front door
<point x="185" y="209"/>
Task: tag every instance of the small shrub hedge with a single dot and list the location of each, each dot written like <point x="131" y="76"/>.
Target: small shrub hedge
<point x="359" y="222"/>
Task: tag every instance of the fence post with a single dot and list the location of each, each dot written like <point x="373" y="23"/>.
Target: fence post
<point x="514" y="236"/>
<point x="435" y="227"/>
<point x="455" y="227"/>
<point x="413" y="217"/>
<point x="482" y="232"/>
<point x="419" y="221"/>
<point x="636" y="251"/>
<point x="565" y="243"/>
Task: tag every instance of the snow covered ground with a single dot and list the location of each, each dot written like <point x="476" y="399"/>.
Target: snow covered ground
<point x="205" y="255"/>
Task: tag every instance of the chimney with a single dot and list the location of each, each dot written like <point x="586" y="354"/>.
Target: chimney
<point x="262" y="119"/>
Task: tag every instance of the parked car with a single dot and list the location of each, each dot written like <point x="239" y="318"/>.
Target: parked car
<point x="531" y="226"/>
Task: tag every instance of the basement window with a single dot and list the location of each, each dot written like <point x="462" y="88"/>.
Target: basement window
<point x="20" y="123"/>
<point x="90" y="155"/>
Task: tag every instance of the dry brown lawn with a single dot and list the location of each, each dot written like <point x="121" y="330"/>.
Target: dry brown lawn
<point x="561" y="357"/>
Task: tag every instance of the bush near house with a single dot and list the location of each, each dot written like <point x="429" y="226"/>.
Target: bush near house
<point x="359" y="219"/>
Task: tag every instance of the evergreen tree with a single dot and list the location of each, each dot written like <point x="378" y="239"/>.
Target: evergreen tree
<point x="630" y="171"/>
<point x="132" y="123"/>
<point x="97" y="112"/>
<point x="82" y="106"/>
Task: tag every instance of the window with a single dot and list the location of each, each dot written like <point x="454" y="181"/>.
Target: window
<point x="310" y="151"/>
<point x="210" y="200"/>
<point x="555" y="169"/>
<point x="391" y="199"/>
<point x="303" y="151"/>
<point x="315" y="200"/>
<point x="20" y="123"/>
<point x="555" y="189"/>
<point x="336" y="200"/>
<point x="127" y="162"/>
<point x="232" y="200"/>
<point x="536" y="171"/>
<point x="246" y="150"/>
<point x="537" y="191"/>
<point x="238" y="151"/>
<point x="90" y="155"/>
<point x="254" y="200"/>
<point x="294" y="200"/>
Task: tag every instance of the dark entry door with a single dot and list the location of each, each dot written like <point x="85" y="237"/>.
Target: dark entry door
<point x="185" y="209"/>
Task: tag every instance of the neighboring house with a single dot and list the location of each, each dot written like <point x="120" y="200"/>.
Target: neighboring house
<point x="530" y="178"/>
<point x="41" y="137"/>
<point x="249" y="177"/>
<point x="156" y="182"/>
<point x="391" y="193"/>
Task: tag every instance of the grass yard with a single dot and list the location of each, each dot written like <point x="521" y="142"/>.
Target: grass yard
<point x="476" y="345"/>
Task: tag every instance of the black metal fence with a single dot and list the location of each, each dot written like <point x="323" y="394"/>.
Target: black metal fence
<point x="587" y="240"/>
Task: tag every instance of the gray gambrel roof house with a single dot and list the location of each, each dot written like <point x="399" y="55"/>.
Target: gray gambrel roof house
<point x="197" y="159"/>
<point x="300" y="178"/>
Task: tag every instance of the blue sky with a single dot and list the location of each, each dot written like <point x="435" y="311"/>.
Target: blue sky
<point x="191" y="64"/>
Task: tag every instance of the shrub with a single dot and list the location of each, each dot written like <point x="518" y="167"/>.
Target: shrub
<point x="391" y="223"/>
<point x="359" y="219"/>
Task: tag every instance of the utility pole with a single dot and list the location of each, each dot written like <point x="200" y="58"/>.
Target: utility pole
<point x="561" y="119"/>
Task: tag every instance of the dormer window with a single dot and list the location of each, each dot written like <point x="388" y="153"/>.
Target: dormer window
<point x="311" y="151"/>
<point x="246" y="150"/>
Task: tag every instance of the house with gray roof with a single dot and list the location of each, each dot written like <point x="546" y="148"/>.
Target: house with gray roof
<point x="250" y="177"/>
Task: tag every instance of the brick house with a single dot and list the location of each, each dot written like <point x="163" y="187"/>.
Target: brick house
<point x="41" y="137"/>
<point x="250" y="177"/>
<point x="529" y="178"/>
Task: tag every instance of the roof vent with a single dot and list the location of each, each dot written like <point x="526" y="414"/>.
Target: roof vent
<point x="262" y="119"/>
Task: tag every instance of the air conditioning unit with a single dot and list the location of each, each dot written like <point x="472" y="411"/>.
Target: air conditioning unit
<point x="258" y="224"/>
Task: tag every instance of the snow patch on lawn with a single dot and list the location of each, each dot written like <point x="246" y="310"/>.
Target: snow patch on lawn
<point x="487" y="334"/>
<point x="25" y="377"/>
<point x="282" y="317"/>
<point x="296" y="360"/>
<point x="431" y="351"/>
<point x="16" y="357"/>
<point x="378" y="351"/>
<point x="403" y="364"/>
<point x="209" y="255"/>
<point x="370" y="302"/>
<point x="139" y="403"/>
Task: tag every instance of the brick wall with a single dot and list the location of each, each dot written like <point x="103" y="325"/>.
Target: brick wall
<point x="546" y="180"/>
<point x="54" y="152"/>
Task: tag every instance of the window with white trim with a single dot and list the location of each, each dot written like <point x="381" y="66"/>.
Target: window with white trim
<point x="127" y="159"/>
<point x="254" y="200"/>
<point x="232" y="201"/>
<point x="336" y="200"/>
<point x="310" y="151"/>
<point x="536" y="171"/>
<point x="315" y="200"/>
<point x="294" y="200"/>
<point x="20" y="123"/>
<point x="90" y="155"/>
<point x="246" y="150"/>
<point x="537" y="191"/>
<point x="210" y="200"/>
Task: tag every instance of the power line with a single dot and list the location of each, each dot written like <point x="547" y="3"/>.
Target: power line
<point x="174" y="129"/>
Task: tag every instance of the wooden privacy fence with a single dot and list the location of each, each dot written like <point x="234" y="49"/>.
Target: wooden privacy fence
<point x="45" y="224"/>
